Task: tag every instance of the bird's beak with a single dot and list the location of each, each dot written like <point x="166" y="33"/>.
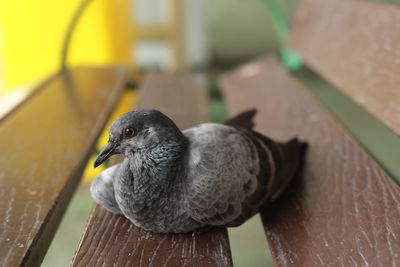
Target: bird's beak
<point x="107" y="151"/>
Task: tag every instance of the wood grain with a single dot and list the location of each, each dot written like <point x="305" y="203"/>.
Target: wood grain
<point x="117" y="242"/>
<point x="355" y="46"/>
<point x="344" y="210"/>
<point x="44" y="146"/>
<point x="112" y="240"/>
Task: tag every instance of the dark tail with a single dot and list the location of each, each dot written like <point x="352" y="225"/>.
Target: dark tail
<point x="294" y="153"/>
<point x="243" y="120"/>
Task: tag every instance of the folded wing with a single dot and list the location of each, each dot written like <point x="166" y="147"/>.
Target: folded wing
<point x="223" y="169"/>
<point x="233" y="171"/>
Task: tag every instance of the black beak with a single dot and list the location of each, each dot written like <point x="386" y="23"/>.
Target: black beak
<point x="107" y="151"/>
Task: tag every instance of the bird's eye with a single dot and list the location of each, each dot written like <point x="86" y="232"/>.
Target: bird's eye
<point x="130" y="132"/>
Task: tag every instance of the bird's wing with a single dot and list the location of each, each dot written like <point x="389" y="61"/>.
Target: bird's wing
<point x="223" y="168"/>
<point x="234" y="171"/>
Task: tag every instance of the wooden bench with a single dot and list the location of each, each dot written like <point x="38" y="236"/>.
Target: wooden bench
<point x="342" y="210"/>
<point x="45" y="144"/>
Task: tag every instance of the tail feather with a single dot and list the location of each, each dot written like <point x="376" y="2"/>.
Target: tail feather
<point x="293" y="153"/>
<point x="243" y="120"/>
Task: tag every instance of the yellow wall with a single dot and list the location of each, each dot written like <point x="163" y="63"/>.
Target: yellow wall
<point x="32" y="32"/>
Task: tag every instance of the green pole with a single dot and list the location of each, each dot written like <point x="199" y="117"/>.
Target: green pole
<point x="290" y="59"/>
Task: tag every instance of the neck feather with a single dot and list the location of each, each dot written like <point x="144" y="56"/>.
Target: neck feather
<point x="158" y="168"/>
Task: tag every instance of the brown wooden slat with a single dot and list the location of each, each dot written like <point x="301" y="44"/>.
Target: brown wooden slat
<point x="354" y="45"/>
<point x="112" y="240"/>
<point x="344" y="211"/>
<point x="44" y="146"/>
<point x="180" y="96"/>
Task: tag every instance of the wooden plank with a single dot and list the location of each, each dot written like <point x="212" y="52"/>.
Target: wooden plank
<point x="354" y="45"/>
<point x="180" y="96"/>
<point x="44" y="147"/>
<point x="344" y="210"/>
<point x="112" y="240"/>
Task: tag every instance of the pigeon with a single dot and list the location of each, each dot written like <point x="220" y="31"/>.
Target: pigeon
<point x="210" y="175"/>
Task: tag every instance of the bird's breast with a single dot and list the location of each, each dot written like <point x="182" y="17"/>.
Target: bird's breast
<point x="150" y="204"/>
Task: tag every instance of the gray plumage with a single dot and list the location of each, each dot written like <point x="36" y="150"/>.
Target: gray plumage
<point x="209" y="175"/>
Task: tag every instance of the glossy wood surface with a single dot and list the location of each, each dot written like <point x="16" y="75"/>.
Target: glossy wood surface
<point x="344" y="210"/>
<point x="44" y="147"/>
<point x="355" y="46"/>
<point x="112" y="240"/>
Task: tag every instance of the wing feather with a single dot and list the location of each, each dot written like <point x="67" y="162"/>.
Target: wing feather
<point x="234" y="171"/>
<point x="223" y="168"/>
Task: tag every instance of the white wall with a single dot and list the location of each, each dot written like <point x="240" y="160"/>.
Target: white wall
<point x="195" y="34"/>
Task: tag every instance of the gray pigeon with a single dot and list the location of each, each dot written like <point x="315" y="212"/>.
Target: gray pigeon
<point x="177" y="182"/>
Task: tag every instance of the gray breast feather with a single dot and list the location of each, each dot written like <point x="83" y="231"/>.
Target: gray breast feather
<point x="223" y="168"/>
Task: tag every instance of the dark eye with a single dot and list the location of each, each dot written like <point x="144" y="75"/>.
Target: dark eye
<point x="130" y="132"/>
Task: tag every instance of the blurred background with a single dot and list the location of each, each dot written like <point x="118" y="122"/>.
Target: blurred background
<point x="39" y="38"/>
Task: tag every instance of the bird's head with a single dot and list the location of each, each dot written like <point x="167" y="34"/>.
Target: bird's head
<point x="138" y="130"/>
